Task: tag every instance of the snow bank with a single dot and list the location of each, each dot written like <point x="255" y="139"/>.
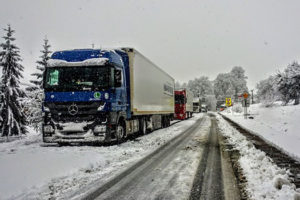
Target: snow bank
<point x="29" y="170"/>
<point x="87" y="62"/>
<point x="278" y="125"/>
<point x="265" y="180"/>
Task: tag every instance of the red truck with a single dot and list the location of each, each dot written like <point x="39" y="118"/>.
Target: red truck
<point x="183" y="104"/>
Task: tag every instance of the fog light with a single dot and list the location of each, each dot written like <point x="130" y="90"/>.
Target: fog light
<point x="99" y="129"/>
<point x="48" y="129"/>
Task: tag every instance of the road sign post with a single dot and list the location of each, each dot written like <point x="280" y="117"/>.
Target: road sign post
<point x="245" y="104"/>
<point x="228" y="103"/>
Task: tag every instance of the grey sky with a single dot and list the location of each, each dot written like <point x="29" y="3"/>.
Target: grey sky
<point x="187" y="38"/>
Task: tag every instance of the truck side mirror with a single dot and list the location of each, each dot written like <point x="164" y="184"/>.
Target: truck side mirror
<point x="118" y="78"/>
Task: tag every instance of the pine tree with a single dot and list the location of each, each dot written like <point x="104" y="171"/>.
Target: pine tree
<point x="41" y="65"/>
<point x="13" y="120"/>
<point x="34" y="101"/>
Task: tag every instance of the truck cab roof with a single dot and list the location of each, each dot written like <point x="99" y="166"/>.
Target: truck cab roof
<point x="80" y="55"/>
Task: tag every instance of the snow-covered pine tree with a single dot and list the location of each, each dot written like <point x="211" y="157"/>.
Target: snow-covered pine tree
<point x="289" y="83"/>
<point x="12" y="118"/>
<point x="41" y="65"/>
<point x="34" y="101"/>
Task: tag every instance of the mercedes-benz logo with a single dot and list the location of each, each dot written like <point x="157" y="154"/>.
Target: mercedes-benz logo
<point x="73" y="109"/>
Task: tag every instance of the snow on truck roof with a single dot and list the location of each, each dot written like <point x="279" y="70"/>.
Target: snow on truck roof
<point x="87" y="62"/>
<point x="88" y="57"/>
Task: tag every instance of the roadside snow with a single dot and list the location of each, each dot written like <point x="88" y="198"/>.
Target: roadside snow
<point x="278" y="125"/>
<point x="265" y="180"/>
<point x="30" y="170"/>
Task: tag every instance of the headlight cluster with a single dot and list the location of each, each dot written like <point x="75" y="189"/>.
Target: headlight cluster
<point x="100" y="129"/>
<point x="106" y="95"/>
<point x="48" y="129"/>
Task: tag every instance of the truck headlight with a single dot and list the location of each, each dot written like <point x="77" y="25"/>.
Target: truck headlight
<point x="48" y="129"/>
<point x="100" y="129"/>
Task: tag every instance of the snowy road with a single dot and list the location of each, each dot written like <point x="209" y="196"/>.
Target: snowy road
<point x="208" y="180"/>
<point x="32" y="170"/>
<point x="169" y="173"/>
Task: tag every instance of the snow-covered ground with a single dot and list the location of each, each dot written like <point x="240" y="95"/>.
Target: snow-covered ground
<point x="265" y="180"/>
<point x="31" y="170"/>
<point x="278" y="125"/>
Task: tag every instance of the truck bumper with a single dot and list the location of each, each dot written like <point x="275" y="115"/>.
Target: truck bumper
<point x="180" y="116"/>
<point x="89" y="136"/>
<point x="74" y="139"/>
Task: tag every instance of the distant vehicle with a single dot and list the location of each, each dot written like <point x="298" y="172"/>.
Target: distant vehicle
<point x="196" y="105"/>
<point x="94" y="95"/>
<point x="183" y="104"/>
<point x="222" y="107"/>
<point x="203" y="108"/>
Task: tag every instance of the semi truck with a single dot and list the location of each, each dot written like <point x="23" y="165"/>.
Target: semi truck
<point x="183" y="104"/>
<point x="104" y="95"/>
<point x="196" y="105"/>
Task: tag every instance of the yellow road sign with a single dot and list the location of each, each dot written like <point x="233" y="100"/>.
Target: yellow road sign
<point x="228" y="102"/>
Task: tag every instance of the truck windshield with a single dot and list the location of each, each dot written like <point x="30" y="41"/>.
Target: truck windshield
<point x="78" y="78"/>
<point x="179" y="99"/>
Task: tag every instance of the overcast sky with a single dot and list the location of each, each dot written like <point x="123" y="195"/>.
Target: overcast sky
<point x="187" y="38"/>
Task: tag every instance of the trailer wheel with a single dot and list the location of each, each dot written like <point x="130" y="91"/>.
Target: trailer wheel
<point x="163" y="122"/>
<point x="143" y="126"/>
<point x="168" y="121"/>
<point x="63" y="144"/>
<point x="120" y="132"/>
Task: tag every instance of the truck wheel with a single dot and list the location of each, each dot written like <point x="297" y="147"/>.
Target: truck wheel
<point x="143" y="126"/>
<point x="120" y="133"/>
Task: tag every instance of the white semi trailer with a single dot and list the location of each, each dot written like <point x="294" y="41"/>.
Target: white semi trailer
<point x="104" y="95"/>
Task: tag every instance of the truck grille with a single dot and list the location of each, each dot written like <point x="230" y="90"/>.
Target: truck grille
<point x="85" y="111"/>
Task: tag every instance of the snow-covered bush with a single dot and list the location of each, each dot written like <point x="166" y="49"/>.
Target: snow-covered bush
<point x="237" y="108"/>
<point x="267" y="91"/>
